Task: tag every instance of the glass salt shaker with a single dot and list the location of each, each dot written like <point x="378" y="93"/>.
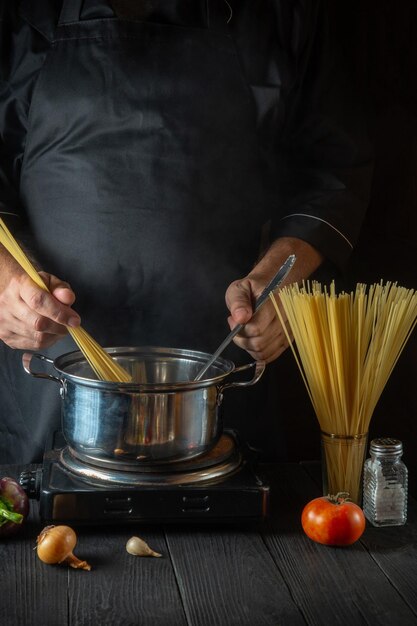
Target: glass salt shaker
<point x="385" y="484"/>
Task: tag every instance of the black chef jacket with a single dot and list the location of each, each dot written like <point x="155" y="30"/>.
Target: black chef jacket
<point x="305" y="115"/>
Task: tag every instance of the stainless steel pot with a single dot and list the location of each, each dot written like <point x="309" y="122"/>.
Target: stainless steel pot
<point x="164" y="416"/>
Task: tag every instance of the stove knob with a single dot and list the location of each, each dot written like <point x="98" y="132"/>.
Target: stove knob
<point x="30" y="481"/>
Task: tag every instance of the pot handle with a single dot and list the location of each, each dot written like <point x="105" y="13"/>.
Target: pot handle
<point x="259" y="370"/>
<point x="27" y="362"/>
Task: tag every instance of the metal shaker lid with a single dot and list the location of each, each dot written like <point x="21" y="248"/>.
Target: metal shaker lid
<point x="386" y="445"/>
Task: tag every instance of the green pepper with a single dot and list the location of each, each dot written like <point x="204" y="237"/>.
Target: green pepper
<point x="7" y="514"/>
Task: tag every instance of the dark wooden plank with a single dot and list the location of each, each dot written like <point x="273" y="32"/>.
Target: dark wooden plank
<point x="330" y="585"/>
<point x="32" y="593"/>
<point x="395" y="550"/>
<point x="122" y="589"/>
<point x="226" y="577"/>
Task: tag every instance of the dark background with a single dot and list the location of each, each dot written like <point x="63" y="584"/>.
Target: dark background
<point x="380" y="47"/>
<point x="385" y="44"/>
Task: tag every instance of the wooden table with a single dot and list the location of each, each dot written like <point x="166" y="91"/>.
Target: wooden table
<point x="218" y="575"/>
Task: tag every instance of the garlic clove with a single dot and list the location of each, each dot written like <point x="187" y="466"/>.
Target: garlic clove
<point x="139" y="547"/>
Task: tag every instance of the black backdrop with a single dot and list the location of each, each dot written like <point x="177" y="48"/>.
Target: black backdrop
<point x="384" y="51"/>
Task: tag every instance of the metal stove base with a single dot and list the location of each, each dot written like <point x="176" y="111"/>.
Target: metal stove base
<point x="64" y="497"/>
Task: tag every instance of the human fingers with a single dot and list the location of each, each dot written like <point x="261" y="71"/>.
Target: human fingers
<point x="239" y="298"/>
<point x="32" y="318"/>
<point x="37" y="341"/>
<point x="45" y="305"/>
<point x="270" y="352"/>
<point x="60" y="289"/>
<point x="21" y="328"/>
<point x="264" y="340"/>
<point x="258" y="323"/>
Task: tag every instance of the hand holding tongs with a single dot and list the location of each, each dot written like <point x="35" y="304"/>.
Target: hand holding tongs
<point x="282" y="273"/>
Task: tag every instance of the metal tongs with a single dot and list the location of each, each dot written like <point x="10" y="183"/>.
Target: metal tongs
<point x="282" y="273"/>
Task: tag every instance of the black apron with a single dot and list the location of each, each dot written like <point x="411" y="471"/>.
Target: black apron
<point x="142" y="182"/>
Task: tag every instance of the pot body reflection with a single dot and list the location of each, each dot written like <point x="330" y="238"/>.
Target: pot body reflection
<point x="163" y="416"/>
<point x="139" y="427"/>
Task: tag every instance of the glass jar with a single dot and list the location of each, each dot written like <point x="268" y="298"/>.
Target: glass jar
<point x="342" y="464"/>
<point x="385" y="484"/>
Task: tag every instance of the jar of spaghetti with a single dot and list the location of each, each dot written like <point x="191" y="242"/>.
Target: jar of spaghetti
<point x="385" y="484"/>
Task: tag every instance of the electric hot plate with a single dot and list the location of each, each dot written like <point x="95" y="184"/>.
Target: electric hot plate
<point x="220" y="486"/>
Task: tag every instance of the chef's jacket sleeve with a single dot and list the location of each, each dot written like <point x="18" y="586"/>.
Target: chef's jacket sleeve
<point x="327" y="161"/>
<point x="22" y="52"/>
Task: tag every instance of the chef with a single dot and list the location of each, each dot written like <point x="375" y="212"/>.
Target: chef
<point x="159" y="161"/>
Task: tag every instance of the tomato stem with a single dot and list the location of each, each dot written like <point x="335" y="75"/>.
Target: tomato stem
<point x="340" y="498"/>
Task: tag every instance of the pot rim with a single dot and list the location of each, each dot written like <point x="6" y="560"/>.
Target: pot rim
<point x="71" y="358"/>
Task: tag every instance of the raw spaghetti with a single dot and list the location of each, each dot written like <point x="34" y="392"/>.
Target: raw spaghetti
<point x="100" y="361"/>
<point x="346" y="347"/>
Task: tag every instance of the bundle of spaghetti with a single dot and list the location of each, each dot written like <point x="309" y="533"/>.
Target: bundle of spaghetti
<point x="100" y="361"/>
<point x="346" y="347"/>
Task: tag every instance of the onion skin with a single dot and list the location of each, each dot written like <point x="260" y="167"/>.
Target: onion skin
<point x="12" y="493"/>
<point x="55" y="545"/>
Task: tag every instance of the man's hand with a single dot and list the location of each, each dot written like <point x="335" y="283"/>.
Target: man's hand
<point x="30" y="317"/>
<point x="263" y="336"/>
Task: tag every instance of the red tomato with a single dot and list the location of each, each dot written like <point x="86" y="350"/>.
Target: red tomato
<point x="333" y="520"/>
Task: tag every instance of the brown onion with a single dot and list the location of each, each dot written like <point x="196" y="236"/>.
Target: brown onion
<point x="55" y="545"/>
